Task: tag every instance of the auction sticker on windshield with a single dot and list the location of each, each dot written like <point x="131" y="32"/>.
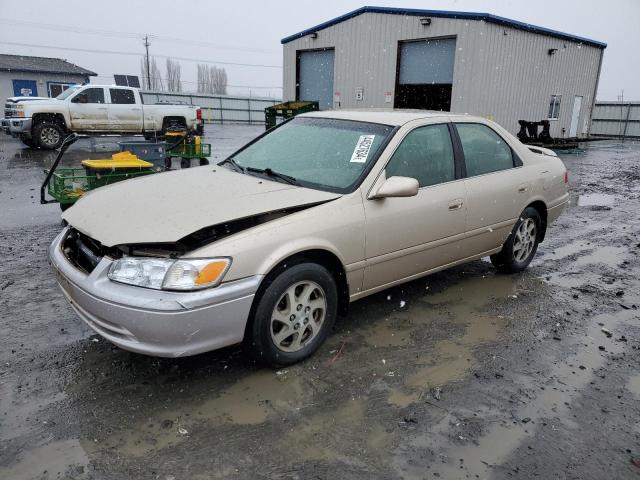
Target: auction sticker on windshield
<point x="361" y="152"/>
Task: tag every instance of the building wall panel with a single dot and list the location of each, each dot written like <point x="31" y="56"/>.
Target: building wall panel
<point x="500" y="72"/>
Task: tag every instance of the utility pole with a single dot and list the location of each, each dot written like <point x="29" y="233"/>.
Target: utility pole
<point x="146" y="46"/>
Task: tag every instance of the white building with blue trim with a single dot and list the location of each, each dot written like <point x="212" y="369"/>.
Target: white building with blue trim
<point x="26" y="76"/>
<point x="463" y="62"/>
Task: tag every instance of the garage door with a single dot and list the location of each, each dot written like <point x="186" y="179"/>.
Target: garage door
<point x="315" y="77"/>
<point x="425" y="75"/>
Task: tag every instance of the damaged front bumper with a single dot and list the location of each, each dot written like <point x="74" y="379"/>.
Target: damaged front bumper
<point x="155" y="322"/>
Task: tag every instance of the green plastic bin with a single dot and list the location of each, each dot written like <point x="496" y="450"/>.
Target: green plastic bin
<point x="281" y="111"/>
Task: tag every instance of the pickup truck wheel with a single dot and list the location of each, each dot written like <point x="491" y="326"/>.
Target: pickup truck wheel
<point x="48" y="135"/>
<point x="294" y="315"/>
<point x="520" y="248"/>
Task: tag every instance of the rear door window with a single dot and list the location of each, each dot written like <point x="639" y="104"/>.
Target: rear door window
<point x="122" y="96"/>
<point x="484" y="150"/>
<point x="425" y="154"/>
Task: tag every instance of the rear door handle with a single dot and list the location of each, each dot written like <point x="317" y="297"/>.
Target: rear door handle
<point x="456" y="204"/>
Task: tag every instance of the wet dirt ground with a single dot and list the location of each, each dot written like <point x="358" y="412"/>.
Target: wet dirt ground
<point x="464" y="374"/>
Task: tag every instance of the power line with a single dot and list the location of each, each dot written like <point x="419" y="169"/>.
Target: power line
<point x="74" y="29"/>
<point x="110" y="75"/>
<point x="115" y="52"/>
<point x="132" y="35"/>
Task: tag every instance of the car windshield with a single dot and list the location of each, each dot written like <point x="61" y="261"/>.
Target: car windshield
<point x="67" y="92"/>
<point x="321" y="153"/>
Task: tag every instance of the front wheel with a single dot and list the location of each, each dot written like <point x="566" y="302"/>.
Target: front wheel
<point x="294" y="315"/>
<point x="48" y="135"/>
<point x="521" y="246"/>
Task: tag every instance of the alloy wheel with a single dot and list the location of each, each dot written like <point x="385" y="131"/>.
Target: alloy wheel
<point x="49" y="136"/>
<point x="525" y="240"/>
<point x="298" y="316"/>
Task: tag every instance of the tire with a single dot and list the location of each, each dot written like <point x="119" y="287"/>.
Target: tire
<point x="282" y="328"/>
<point x="48" y="135"/>
<point x="522" y="244"/>
<point x="204" y="162"/>
<point x="185" y="163"/>
<point x="65" y="206"/>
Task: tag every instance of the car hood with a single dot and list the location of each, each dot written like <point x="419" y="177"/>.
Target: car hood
<point x="166" y="207"/>
<point x="28" y="99"/>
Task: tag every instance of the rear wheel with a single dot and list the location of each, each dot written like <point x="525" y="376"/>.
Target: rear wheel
<point x="294" y="315"/>
<point x="522" y="244"/>
<point x="48" y="135"/>
<point x="185" y="163"/>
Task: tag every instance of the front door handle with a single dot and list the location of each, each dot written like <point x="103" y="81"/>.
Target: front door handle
<point x="456" y="204"/>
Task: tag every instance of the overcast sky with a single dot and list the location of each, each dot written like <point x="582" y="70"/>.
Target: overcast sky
<point x="249" y="32"/>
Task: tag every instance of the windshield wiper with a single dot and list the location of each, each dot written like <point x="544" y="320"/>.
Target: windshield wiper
<point x="272" y="173"/>
<point x="233" y="163"/>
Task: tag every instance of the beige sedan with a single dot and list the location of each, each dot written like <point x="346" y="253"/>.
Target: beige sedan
<point x="270" y="245"/>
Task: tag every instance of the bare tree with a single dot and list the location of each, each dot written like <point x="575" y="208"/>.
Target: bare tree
<point x="212" y="79"/>
<point x="173" y="76"/>
<point x="155" y="78"/>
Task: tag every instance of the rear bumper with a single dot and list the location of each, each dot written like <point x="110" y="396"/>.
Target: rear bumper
<point x="554" y="212"/>
<point x="15" y="126"/>
<point x="154" y="322"/>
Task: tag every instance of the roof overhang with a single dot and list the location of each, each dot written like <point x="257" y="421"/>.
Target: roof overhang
<point x="50" y="72"/>
<point x="487" y="17"/>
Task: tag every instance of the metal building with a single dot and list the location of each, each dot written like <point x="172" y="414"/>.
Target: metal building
<point x="24" y="76"/>
<point x="462" y="62"/>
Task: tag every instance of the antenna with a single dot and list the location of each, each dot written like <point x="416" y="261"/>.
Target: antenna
<point x="146" y="46"/>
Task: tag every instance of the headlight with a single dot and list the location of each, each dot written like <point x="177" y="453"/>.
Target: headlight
<point x="169" y="274"/>
<point x="19" y="106"/>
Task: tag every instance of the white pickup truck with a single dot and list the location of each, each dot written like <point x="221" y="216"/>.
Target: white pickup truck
<point x="92" y="109"/>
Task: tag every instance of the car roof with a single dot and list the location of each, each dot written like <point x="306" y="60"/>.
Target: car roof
<point x="389" y="116"/>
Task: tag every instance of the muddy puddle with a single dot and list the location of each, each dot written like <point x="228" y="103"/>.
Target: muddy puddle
<point x="565" y="381"/>
<point x="633" y="385"/>
<point x="23" y="411"/>
<point x="55" y="460"/>
<point x="465" y="306"/>
<point x="596" y="200"/>
<point x="249" y="401"/>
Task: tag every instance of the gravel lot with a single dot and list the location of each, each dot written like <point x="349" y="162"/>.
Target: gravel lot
<point x="464" y="374"/>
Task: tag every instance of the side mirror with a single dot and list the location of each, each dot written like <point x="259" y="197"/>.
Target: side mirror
<point x="397" y="187"/>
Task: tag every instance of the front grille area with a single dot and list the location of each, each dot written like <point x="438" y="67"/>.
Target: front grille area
<point x="8" y="111"/>
<point x="83" y="252"/>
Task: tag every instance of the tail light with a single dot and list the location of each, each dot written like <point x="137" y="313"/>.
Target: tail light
<point x="566" y="176"/>
<point x="199" y="113"/>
